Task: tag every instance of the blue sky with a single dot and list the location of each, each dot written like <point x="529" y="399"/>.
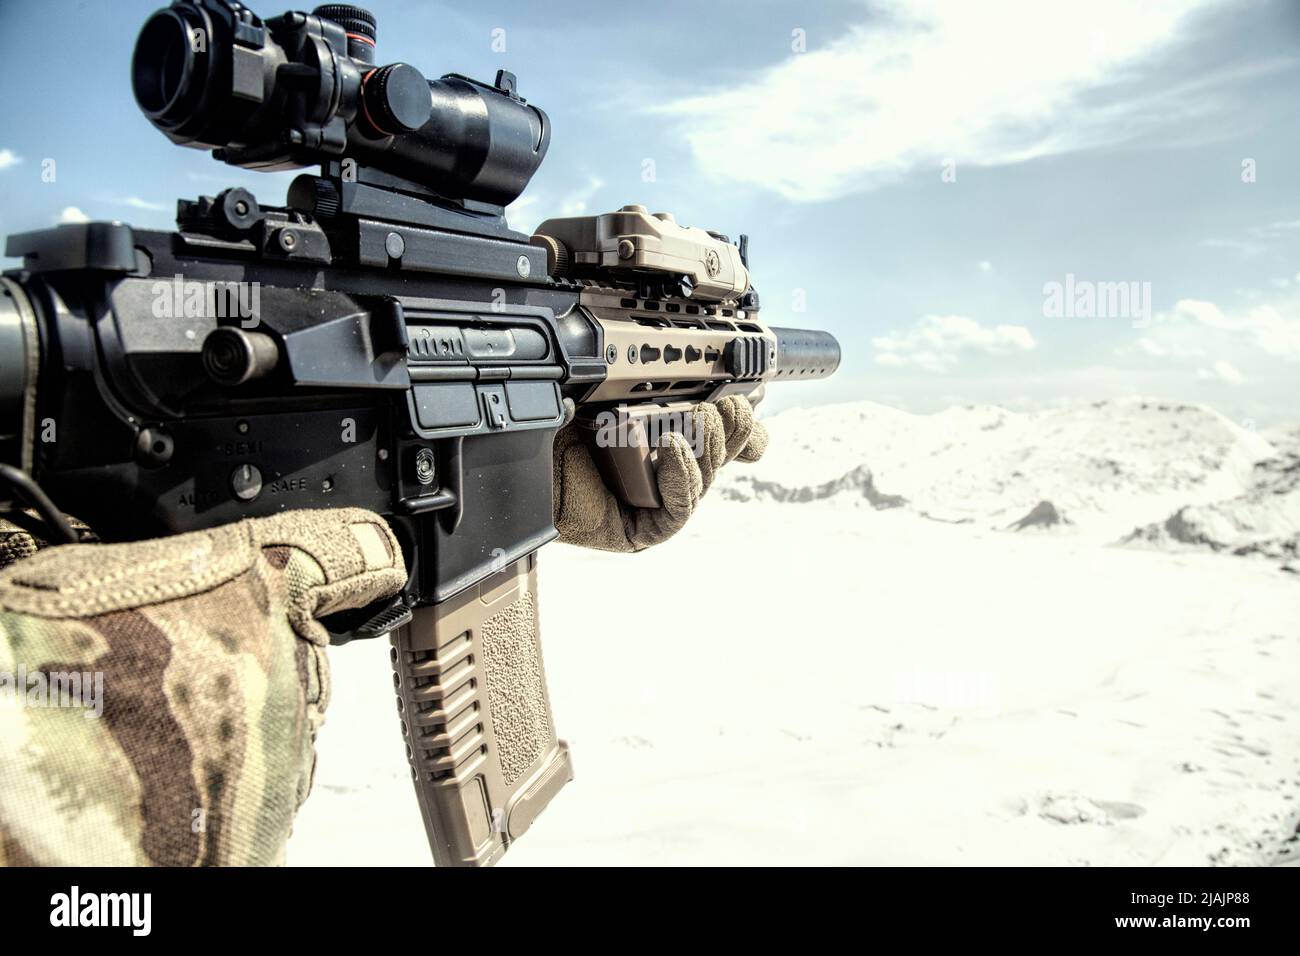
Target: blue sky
<point x="913" y="175"/>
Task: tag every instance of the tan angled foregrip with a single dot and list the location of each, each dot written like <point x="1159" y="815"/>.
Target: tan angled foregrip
<point x="623" y="442"/>
<point x="476" y="717"/>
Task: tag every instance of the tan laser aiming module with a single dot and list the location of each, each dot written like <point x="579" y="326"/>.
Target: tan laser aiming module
<point x="635" y="245"/>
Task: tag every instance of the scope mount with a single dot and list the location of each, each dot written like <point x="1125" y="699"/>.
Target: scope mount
<point x="350" y="214"/>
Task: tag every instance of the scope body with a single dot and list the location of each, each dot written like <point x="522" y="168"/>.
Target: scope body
<point x="303" y="89"/>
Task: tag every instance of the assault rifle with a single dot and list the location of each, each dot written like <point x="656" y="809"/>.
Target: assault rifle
<point x="383" y="340"/>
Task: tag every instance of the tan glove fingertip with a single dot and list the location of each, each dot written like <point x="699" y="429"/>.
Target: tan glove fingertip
<point x="678" y="476"/>
<point x="738" y="422"/>
<point x="756" y="446"/>
<point x="711" y="433"/>
<point x="577" y="511"/>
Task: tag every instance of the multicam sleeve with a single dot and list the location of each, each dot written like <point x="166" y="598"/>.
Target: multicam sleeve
<point x="159" y="700"/>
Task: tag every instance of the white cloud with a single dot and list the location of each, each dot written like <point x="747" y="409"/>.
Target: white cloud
<point x="936" y="342"/>
<point x="1152" y="348"/>
<point x="575" y="203"/>
<point x="135" y="202"/>
<point x="73" y="214"/>
<point x="1263" y="327"/>
<point x="527" y="212"/>
<point x="522" y="213"/>
<point x="986" y="266"/>
<point x="1198" y="341"/>
<point x="1221" y="371"/>
<point x="9" y="158"/>
<point x="1261" y="238"/>
<point x="1278" y="229"/>
<point x="1243" y="247"/>
<point x="989" y="83"/>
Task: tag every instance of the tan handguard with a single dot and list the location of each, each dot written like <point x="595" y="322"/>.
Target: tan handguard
<point x="477" y="717"/>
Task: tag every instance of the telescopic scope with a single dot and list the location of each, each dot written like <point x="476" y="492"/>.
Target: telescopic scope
<point x="303" y="89"/>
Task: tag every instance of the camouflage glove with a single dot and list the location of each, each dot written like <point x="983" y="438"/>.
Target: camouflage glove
<point x="16" y="544"/>
<point x="588" y="514"/>
<point x="201" y="657"/>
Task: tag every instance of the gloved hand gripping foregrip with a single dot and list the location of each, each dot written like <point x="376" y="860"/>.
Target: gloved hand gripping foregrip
<point x="476" y="717"/>
<point x="624" y="438"/>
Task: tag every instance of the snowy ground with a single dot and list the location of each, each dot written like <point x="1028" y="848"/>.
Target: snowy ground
<point x="835" y="682"/>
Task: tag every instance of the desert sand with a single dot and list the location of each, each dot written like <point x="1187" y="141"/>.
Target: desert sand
<point x="978" y="637"/>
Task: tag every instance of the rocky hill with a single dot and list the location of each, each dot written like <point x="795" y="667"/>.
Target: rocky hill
<point x="1136" y="471"/>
